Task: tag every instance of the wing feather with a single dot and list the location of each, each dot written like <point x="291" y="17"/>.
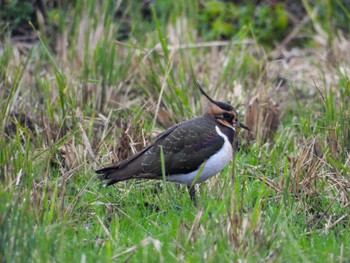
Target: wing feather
<point x="184" y="149"/>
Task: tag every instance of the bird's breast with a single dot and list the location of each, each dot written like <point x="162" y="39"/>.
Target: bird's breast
<point x="213" y="165"/>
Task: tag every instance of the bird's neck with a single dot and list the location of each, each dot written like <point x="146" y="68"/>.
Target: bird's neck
<point x="229" y="132"/>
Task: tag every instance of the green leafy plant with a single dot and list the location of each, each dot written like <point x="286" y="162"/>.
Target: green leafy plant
<point x="226" y="19"/>
<point x="14" y="13"/>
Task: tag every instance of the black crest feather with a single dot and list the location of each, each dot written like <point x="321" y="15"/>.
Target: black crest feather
<point x="222" y="105"/>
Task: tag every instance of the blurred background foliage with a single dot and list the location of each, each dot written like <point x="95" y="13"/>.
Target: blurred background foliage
<point x="269" y="21"/>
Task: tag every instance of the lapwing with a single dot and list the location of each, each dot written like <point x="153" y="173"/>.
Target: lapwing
<point x="191" y="152"/>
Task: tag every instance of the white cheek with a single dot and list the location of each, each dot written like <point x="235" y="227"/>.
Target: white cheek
<point x="227" y="124"/>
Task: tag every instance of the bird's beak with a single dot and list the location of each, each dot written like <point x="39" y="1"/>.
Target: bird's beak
<point x="243" y="126"/>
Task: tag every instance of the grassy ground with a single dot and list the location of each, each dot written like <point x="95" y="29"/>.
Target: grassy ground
<point x="77" y="100"/>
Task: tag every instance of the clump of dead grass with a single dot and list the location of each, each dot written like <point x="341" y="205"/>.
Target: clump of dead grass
<point x="262" y="116"/>
<point x="312" y="167"/>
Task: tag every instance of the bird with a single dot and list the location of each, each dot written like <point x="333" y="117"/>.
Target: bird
<point x="191" y="151"/>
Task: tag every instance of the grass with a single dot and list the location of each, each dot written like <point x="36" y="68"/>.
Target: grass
<point x="77" y="101"/>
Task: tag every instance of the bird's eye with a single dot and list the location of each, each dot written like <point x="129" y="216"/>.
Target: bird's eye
<point x="227" y="116"/>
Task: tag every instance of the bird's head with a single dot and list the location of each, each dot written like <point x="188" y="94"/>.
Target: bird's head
<point x="222" y="112"/>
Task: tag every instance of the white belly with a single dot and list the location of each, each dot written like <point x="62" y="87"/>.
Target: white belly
<point x="212" y="166"/>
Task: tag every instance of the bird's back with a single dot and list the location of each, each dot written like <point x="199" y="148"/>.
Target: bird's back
<point x="184" y="146"/>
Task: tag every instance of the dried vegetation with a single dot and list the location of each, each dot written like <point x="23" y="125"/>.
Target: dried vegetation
<point x="90" y="101"/>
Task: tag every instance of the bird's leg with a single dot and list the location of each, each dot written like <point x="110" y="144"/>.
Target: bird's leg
<point x="192" y="192"/>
